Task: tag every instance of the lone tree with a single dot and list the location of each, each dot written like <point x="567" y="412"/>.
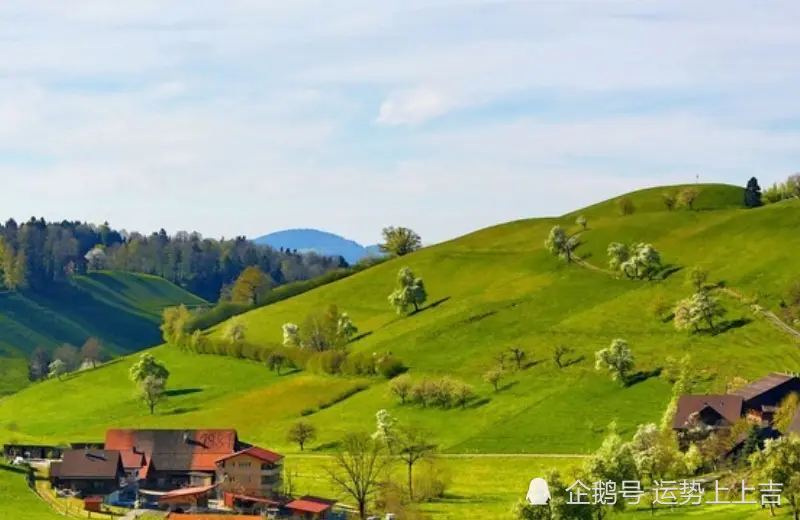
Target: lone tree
<point x="235" y="331"/>
<point x="687" y="197"/>
<point x="639" y="261"/>
<point x="301" y="433"/>
<point x="559" y="351"/>
<point x="148" y="366"/>
<point x="697" y="278"/>
<point x="357" y="468"/>
<point x="251" y="286"/>
<point x="411" y="445"/>
<point x="582" y="222"/>
<point x="752" y="194"/>
<point x="96" y="258"/>
<point x="410" y="292"/>
<point x="560" y="244"/>
<point x="291" y="335"/>
<point x="701" y="308"/>
<point x="518" y="355"/>
<point x="616" y="359"/>
<point x="346" y="328"/>
<point x="91" y="351"/>
<point x="494" y="376"/>
<point x="626" y="206"/>
<point x="399" y="241"/>
<point x="670" y="200"/>
<point x="401" y="387"/>
<point x="152" y="391"/>
<point x="276" y="361"/>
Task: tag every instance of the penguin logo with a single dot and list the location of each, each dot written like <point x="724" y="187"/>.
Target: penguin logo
<point x="538" y="492"/>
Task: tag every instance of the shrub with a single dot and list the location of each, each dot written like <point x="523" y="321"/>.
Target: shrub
<point x="423" y="392"/>
<point x="360" y="364"/>
<point x="626" y="206"/>
<point x="443" y="392"/>
<point x="431" y="481"/>
<point x="401" y="387"/>
<point x="329" y="362"/>
<point x="390" y="367"/>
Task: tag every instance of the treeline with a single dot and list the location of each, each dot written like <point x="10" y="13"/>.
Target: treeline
<point x="37" y="254"/>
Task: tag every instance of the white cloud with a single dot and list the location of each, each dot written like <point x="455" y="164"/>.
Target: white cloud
<point x="249" y="116"/>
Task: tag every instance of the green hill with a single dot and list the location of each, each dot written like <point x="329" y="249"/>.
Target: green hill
<point x="488" y="291"/>
<point x="122" y="309"/>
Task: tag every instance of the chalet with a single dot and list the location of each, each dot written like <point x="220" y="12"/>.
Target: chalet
<point x="756" y="402"/>
<point x="172" y="459"/>
<point x="255" y="471"/>
<point x="88" y="472"/>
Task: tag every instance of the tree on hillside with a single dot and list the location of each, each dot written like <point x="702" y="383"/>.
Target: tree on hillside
<point x="235" y="331"/>
<point x="384" y="427"/>
<point x="616" y="359"/>
<point x="687" y="197"/>
<point x="494" y="376"/>
<point x="411" y="445"/>
<point x="357" y="468"/>
<point x="701" y="308"/>
<point x="670" y="199"/>
<point x="626" y="206"/>
<point x="148" y="366"/>
<point x="618" y="254"/>
<point x="152" y="390"/>
<point x="559" y="351"/>
<point x="560" y="244"/>
<point x="582" y="222"/>
<point x="68" y="355"/>
<point x="638" y="261"/>
<point x="401" y="387"/>
<point x="697" y="278"/>
<point x="173" y="324"/>
<point x="409" y="292"/>
<point x="660" y="307"/>
<point x="251" y="286"/>
<point x="346" y="328"/>
<point x="752" y="194"/>
<point x="320" y="330"/>
<point x="518" y="355"/>
<point x="276" y="361"/>
<point x="291" y="335"/>
<point x="779" y="462"/>
<point x="91" y="351"/>
<point x="786" y="412"/>
<point x="462" y="393"/>
<point x="301" y="433"/>
<point x="399" y="241"/>
<point x="13" y="272"/>
<point x="612" y="462"/>
<point x="39" y="364"/>
<point x="57" y="368"/>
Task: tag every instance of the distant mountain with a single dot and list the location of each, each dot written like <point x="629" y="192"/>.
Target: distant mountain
<point x="321" y="242"/>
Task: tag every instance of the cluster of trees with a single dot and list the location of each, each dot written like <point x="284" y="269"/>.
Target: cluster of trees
<point x="638" y="261"/>
<point x="321" y="331"/>
<point x="150" y="377"/>
<point x="444" y="392"/>
<point x="64" y="359"/>
<point x="684" y="198"/>
<point x="36" y="254"/>
<point x="789" y="189"/>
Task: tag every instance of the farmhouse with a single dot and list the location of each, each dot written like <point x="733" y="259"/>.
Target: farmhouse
<point x="96" y="472"/>
<point x="757" y="402"/>
<point x="255" y="470"/>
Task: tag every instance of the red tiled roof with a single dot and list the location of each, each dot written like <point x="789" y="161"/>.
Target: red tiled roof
<point x="256" y="452"/>
<point x="145" y="469"/>
<point x="309" y="505"/>
<point x="260" y="500"/>
<point x="175" y="450"/>
<point x="132" y="459"/>
<point x="728" y="406"/>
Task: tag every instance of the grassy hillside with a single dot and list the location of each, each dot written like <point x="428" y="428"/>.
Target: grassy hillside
<point x="123" y="309"/>
<point x="488" y="291"/>
<point x="18" y="501"/>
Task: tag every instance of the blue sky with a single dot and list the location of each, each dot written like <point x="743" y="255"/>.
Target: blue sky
<point x="249" y="116"/>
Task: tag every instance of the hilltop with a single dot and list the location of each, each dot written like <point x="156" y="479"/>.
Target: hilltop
<point x="320" y="242"/>
<point x="122" y="309"/>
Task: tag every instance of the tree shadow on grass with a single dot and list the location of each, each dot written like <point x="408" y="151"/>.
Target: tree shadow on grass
<point x="571" y="362"/>
<point x="13" y="469"/>
<point x="431" y="305"/>
<point x="289" y="371"/>
<point x="181" y="411"/>
<point x="725" y="326"/>
<point x="642" y="376"/>
<point x="668" y="271"/>
<point x="327" y="446"/>
<point x="507" y="386"/>
<point x="477" y="403"/>
<point x="529" y="364"/>
<point x="361" y="336"/>
<point x="182" y="391"/>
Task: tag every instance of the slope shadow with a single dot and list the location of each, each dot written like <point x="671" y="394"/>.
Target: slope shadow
<point x="478" y="403"/>
<point x="182" y="391"/>
<point x="507" y="386"/>
<point x="725" y="326"/>
<point x="327" y="446"/>
<point x="642" y="376"/>
<point x="361" y="336"/>
<point x="181" y="411"/>
<point x="668" y="271"/>
<point x="13" y="469"/>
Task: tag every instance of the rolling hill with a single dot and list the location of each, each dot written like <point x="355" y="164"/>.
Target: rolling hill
<point x="321" y="242"/>
<point x="122" y="309"/>
<point x="488" y="291"/>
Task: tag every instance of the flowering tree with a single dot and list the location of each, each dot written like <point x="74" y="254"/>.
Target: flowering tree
<point x="291" y="335"/>
<point x="616" y="359"/>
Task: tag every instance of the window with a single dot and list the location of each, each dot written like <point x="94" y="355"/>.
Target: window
<point x="267" y="466"/>
<point x="244" y="464"/>
<point x="266" y="481"/>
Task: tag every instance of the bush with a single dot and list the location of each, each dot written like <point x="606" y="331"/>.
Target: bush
<point x="360" y="364"/>
<point x="626" y="206"/>
<point x="390" y="367"/>
<point x="431" y="480"/>
<point x="329" y="362"/>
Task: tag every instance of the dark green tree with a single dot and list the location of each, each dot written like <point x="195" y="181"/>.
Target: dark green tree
<point x="752" y="194"/>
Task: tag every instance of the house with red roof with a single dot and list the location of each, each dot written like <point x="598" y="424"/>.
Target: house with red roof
<point x="252" y="471"/>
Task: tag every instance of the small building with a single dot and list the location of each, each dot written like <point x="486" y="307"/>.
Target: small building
<point x="258" y="472"/>
<point x="88" y="472"/>
<point x="762" y="397"/>
<point x="310" y="508"/>
<point x="711" y="411"/>
<point x="251" y="504"/>
<point x="187" y="498"/>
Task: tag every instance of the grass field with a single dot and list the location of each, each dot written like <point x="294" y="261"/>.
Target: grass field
<point x="17" y="501"/>
<point x="123" y="309"/>
<point x="488" y="291"/>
